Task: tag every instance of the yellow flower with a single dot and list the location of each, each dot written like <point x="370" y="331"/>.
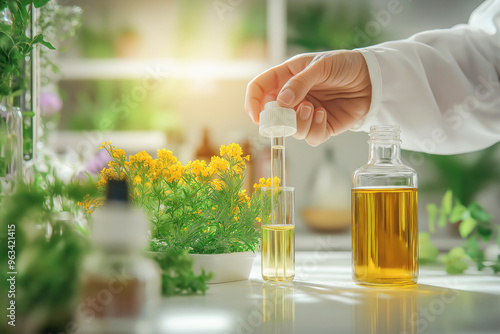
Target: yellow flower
<point x="137" y="180"/>
<point x="243" y="197"/>
<point x="276" y="181"/>
<point x="217" y="184"/>
<point x="104" y="144"/>
<point x="197" y="167"/>
<point x="166" y="156"/>
<point x="217" y="164"/>
<point x="90" y="204"/>
<point x="118" y="154"/>
<point x="239" y="168"/>
<point x="267" y="182"/>
<point x="222" y="150"/>
<point x="141" y="157"/>
<point x="234" y="151"/>
<point x="174" y="173"/>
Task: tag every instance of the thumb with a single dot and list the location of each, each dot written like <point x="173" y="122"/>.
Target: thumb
<point x="296" y="89"/>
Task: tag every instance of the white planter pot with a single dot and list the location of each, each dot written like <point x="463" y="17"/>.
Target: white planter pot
<point x="227" y="267"/>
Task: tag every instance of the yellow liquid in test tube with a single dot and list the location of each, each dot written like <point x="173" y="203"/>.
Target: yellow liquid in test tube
<point x="278" y="253"/>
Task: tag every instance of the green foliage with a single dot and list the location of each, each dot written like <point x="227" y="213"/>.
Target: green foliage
<point x="16" y="45"/>
<point x="327" y="26"/>
<point x="466" y="174"/>
<point x="49" y="247"/>
<point x="427" y="252"/>
<point x="455" y="261"/>
<point x="475" y="227"/>
<point x="177" y="273"/>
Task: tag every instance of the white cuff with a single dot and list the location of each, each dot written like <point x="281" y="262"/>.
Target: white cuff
<point x="376" y="81"/>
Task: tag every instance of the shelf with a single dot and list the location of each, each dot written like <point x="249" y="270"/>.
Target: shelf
<point x="81" y="69"/>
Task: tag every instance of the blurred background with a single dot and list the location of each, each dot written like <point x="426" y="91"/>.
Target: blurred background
<point x="173" y="73"/>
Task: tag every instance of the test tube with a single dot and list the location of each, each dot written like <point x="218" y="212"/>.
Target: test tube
<point x="277" y="218"/>
<point x="277" y="171"/>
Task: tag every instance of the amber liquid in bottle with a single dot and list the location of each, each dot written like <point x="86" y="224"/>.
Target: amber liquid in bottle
<point x="278" y="253"/>
<point x="384" y="242"/>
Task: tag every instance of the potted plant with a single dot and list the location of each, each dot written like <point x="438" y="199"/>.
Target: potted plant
<point x="198" y="207"/>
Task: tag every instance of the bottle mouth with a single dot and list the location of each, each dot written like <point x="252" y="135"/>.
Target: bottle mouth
<point x="385" y="133"/>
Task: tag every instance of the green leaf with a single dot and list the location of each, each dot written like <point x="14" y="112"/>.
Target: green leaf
<point x="28" y="114"/>
<point x="47" y="45"/>
<point x="496" y="266"/>
<point x="40" y="3"/>
<point x="427" y="252"/>
<point x="432" y="211"/>
<point x="39" y="39"/>
<point x="498" y="236"/>
<point x="471" y="246"/>
<point x="477" y="212"/>
<point x="442" y="219"/>
<point x="447" y="202"/>
<point x="455" y="261"/>
<point x="485" y="231"/>
<point x="467" y="226"/>
<point x="457" y="213"/>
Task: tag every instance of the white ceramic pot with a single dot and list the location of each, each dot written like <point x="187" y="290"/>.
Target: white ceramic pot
<point x="226" y="267"/>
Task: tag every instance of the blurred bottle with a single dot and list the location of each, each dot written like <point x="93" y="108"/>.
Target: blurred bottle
<point x="328" y="206"/>
<point x="121" y="287"/>
<point x="206" y="150"/>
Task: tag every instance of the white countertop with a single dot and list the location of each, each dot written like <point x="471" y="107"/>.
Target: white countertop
<point x="323" y="299"/>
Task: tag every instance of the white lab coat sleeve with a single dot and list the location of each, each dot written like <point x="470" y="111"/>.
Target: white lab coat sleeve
<point x="441" y="86"/>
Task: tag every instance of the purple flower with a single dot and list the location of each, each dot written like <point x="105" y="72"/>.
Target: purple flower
<point x="50" y="104"/>
<point x="99" y="162"/>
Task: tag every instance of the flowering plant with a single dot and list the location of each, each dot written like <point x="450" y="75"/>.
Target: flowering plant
<point x="197" y="207"/>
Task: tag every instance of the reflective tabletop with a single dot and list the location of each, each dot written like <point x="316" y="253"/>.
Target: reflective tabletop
<point x="323" y="299"/>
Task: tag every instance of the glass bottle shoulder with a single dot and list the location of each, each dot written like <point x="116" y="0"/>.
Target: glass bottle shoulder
<point x="384" y="176"/>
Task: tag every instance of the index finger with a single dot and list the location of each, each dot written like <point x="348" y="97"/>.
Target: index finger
<point x="267" y="83"/>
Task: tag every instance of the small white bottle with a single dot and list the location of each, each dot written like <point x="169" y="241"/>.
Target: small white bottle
<point x="120" y="286"/>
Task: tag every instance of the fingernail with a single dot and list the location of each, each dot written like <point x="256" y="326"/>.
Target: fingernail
<point x="251" y="117"/>
<point x="286" y="96"/>
<point x="305" y="112"/>
<point x="320" y="114"/>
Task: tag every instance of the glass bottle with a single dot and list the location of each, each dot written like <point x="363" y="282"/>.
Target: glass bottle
<point x="328" y="203"/>
<point x="120" y="286"/>
<point x="384" y="214"/>
<point x="11" y="146"/>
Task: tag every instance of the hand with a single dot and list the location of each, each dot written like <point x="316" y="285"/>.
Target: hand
<point x="330" y="91"/>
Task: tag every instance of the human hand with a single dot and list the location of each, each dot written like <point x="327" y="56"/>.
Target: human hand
<point x="330" y="91"/>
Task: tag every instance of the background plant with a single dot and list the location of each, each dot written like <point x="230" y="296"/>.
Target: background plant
<point x="49" y="247"/>
<point x="475" y="227"/>
<point x="16" y="44"/>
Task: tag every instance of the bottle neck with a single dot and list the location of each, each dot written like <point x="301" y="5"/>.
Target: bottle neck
<point x="384" y="152"/>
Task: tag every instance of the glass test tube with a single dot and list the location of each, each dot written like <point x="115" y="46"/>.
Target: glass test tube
<point x="277" y="171"/>
<point x="277" y="211"/>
